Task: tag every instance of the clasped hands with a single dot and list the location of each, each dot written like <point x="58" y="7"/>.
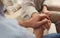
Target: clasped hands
<point x="39" y="22"/>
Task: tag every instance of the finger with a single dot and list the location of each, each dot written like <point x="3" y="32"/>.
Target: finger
<point x="47" y="13"/>
<point x="43" y="27"/>
<point x="44" y="8"/>
<point x="49" y="24"/>
<point x="47" y="27"/>
<point x="42" y="22"/>
<point x="44" y="16"/>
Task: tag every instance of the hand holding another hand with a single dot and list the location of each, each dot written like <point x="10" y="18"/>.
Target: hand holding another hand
<point x="38" y="20"/>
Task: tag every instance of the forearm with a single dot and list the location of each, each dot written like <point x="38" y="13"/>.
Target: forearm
<point x="27" y="23"/>
<point x="27" y="11"/>
<point x="28" y="8"/>
<point x="39" y="33"/>
<point x="24" y="23"/>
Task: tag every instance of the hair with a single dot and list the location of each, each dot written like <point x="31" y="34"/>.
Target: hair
<point x="39" y="4"/>
<point x="1" y="8"/>
<point x="0" y="1"/>
<point x="1" y="5"/>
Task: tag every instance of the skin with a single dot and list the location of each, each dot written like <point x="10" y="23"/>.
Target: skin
<point x="35" y="21"/>
<point x="39" y="22"/>
<point x="39" y="31"/>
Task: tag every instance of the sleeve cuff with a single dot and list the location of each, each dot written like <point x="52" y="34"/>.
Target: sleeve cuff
<point x="46" y="2"/>
<point x="32" y="11"/>
<point x="27" y="12"/>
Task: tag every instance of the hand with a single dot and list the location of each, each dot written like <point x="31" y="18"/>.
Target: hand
<point x="45" y="10"/>
<point x="47" y="25"/>
<point x="39" y="31"/>
<point x="36" y="20"/>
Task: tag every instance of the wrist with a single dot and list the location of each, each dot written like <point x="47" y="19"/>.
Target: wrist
<point x="35" y="13"/>
<point x="24" y="23"/>
<point x="38" y="32"/>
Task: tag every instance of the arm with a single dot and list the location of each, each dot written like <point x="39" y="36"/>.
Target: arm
<point x="45" y="8"/>
<point x="52" y="14"/>
<point x="27" y="11"/>
<point x="29" y="15"/>
<point x="35" y="22"/>
<point x="39" y="32"/>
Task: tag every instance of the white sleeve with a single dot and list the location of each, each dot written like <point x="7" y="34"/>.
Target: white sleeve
<point x="47" y="2"/>
<point x="27" y="9"/>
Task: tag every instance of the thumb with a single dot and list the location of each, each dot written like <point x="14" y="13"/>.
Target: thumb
<point x="44" y="9"/>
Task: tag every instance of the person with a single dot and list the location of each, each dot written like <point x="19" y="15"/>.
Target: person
<point x="10" y="28"/>
<point x="36" y="5"/>
<point x="29" y="4"/>
<point x="54" y="16"/>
